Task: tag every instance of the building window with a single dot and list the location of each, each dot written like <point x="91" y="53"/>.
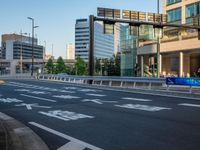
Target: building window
<point x="191" y="11"/>
<point x="174" y="16"/>
<point x="170" y="2"/>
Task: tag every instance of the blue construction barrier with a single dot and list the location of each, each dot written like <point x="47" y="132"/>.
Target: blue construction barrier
<point x="183" y="81"/>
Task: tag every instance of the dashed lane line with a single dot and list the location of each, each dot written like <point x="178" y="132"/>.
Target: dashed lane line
<point x="75" y="143"/>
<point x="136" y="99"/>
<point x="189" y="105"/>
<point x="40" y="98"/>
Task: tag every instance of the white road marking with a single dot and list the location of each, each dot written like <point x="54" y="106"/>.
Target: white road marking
<point x="65" y="115"/>
<point x="65" y="91"/>
<point x="70" y="88"/>
<point x="190" y="105"/>
<point x="98" y="101"/>
<point x="72" y="146"/>
<point x="142" y="107"/>
<point x="65" y="96"/>
<point x="40" y="98"/>
<point x="87" y="90"/>
<point x="22" y="90"/>
<point x="86" y="145"/>
<point x="10" y="100"/>
<point x="29" y="106"/>
<point x="136" y="99"/>
<point x="98" y="95"/>
<point x="38" y="92"/>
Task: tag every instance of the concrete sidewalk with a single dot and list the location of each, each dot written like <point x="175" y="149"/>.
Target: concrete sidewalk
<point x="16" y="136"/>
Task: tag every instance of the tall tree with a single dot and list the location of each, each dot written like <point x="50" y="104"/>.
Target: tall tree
<point x="80" y="66"/>
<point x="50" y="66"/>
<point x="60" y="66"/>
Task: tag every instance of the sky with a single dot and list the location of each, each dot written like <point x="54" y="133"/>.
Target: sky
<point x="56" y="18"/>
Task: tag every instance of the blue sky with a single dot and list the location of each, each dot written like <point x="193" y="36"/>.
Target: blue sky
<point x="56" y="18"/>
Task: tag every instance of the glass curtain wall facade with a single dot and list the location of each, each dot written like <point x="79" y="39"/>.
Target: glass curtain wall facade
<point x="128" y="45"/>
<point x="191" y="11"/>
<point x="174" y="16"/>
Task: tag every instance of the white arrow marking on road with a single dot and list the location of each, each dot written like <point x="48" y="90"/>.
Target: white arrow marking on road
<point x="190" y="105"/>
<point x="65" y="91"/>
<point x="29" y="106"/>
<point x="98" y="95"/>
<point x="98" y="101"/>
<point x="136" y="99"/>
<point x="40" y="98"/>
<point x="86" y="145"/>
<point x="142" y="107"/>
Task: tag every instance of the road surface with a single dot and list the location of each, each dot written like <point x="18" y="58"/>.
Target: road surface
<point x="71" y="117"/>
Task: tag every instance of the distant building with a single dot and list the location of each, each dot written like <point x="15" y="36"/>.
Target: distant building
<point x="17" y="51"/>
<point x="105" y="45"/>
<point x="70" y="51"/>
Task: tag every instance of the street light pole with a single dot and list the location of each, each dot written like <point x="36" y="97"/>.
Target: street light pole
<point x="33" y="27"/>
<point x="158" y="43"/>
<point x="21" y="57"/>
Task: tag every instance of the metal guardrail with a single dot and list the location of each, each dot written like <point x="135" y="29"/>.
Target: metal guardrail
<point x="129" y="82"/>
<point x="17" y="76"/>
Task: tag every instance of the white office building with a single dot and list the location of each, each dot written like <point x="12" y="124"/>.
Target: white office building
<point x="70" y="51"/>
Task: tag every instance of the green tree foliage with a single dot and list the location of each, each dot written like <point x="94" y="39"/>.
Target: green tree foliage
<point x="80" y="67"/>
<point x="60" y="66"/>
<point x="50" y="66"/>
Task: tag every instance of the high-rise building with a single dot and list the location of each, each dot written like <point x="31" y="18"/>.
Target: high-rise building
<point x="179" y="48"/>
<point x="70" y="51"/>
<point x="82" y="38"/>
<point x="105" y="45"/>
<point x="17" y="51"/>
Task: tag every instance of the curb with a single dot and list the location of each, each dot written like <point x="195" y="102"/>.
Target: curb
<point x="19" y="136"/>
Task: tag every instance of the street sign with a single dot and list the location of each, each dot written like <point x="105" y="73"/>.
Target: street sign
<point x="142" y="16"/>
<point x="108" y="28"/>
<point x="183" y="81"/>
<point x="131" y="15"/>
<point x="108" y="13"/>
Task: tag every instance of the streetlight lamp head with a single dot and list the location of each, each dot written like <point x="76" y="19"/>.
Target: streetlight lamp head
<point x="36" y="26"/>
<point x="30" y="18"/>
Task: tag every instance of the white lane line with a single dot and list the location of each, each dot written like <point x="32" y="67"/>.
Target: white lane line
<point x="136" y="99"/>
<point x="190" y="105"/>
<point x="98" y="101"/>
<point x="86" y="145"/>
<point x="98" y="95"/>
<point x="40" y="98"/>
<point x="72" y="146"/>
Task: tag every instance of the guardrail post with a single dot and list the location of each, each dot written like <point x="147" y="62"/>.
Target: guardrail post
<point x="134" y="84"/>
<point x="101" y="83"/>
<point x="190" y="90"/>
<point x="149" y="85"/>
<point x="92" y="82"/>
<point x="167" y="87"/>
<point x="121" y="84"/>
<point x="110" y="83"/>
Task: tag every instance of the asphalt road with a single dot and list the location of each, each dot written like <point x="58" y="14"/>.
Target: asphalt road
<point x="78" y="118"/>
